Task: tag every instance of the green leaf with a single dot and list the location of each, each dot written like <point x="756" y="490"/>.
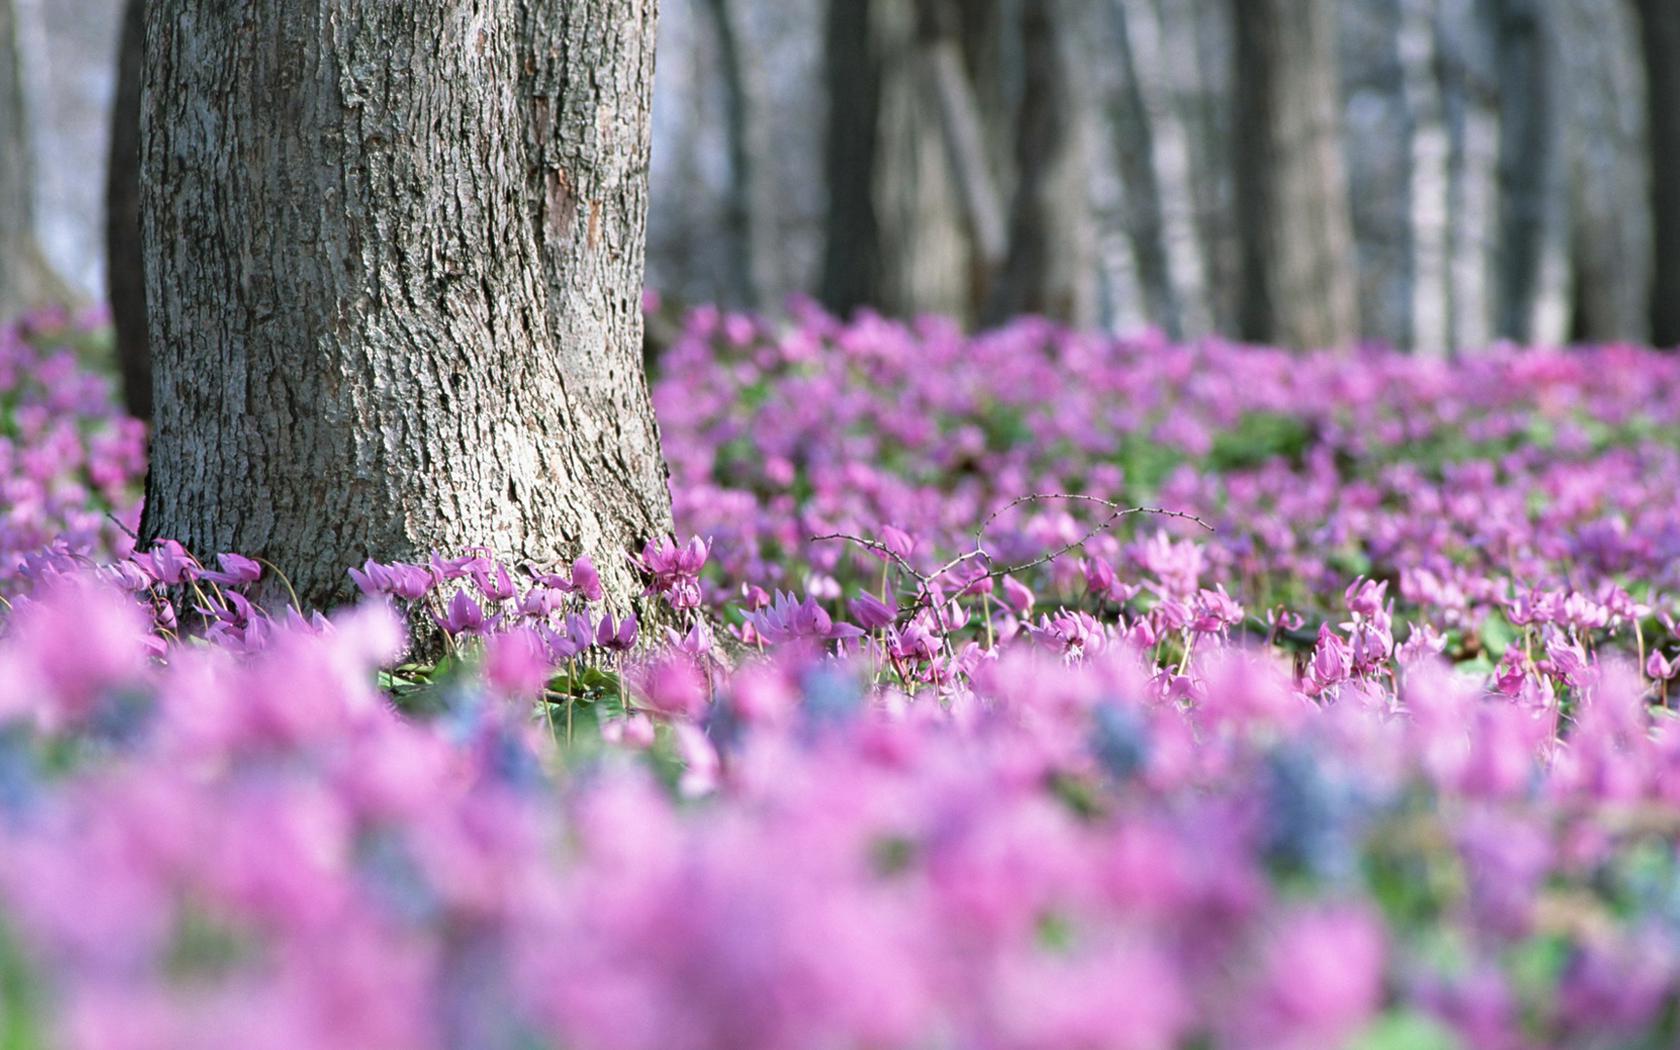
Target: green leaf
<point x="20" y="1005"/>
<point x="1497" y="635"/>
<point x="1406" y="1030"/>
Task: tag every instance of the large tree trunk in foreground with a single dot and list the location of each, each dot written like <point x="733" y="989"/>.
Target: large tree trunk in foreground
<point x="26" y="279"/>
<point x="1298" y="282"/>
<point x="125" y="276"/>
<point x="396" y="256"/>
<point x="1660" y="32"/>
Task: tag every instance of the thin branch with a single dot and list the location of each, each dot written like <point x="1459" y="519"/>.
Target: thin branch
<point x="925" y="581"/>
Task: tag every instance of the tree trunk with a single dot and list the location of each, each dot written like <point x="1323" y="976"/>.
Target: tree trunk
<point x="1533" y="272"/>
<point x="853" y="68"/>
<point x="897" y="236"/>
<point x="26" y="279"/>
<point x="1298" y="281"/>
<point x="1660" y="34"/>
<point x="1609" y="171"/>
<point x="1132" y="127"/>
<point x="1395" y="149"/>
<point x="1050" y="268"/>
<point x="1468" y="31"/>
<point x="744" y="212"/>
<point x="1430" y="210"/>
<point x="1197" y="62"/>
<point x="125" y="261"/>
<point x="962" y="128"/>
<point x="396" y="282"/>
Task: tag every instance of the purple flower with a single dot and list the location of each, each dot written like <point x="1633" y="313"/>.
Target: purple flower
<point x="464" y="616"/>
<point x="616" y="636"/>
<point x="398" y="579"/>
<point x="872" y="613"/>
<point x="577" y="637"/>
<point x="675" y="570"/>
<point x="585" y="580"/>
<point x="1332" y="660"/>
<point x="493" y="582"/>
<point x="236" y="570"/>
<point x="169" y="563"/>
<point x="787" y="619"/>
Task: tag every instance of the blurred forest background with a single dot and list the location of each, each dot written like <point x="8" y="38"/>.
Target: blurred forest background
<point x="1431" y="174"/>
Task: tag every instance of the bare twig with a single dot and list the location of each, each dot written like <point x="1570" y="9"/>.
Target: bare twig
<point x="925" y="581"/>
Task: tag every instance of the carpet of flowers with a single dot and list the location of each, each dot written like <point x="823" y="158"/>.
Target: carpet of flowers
<point x="1365" y="744"/>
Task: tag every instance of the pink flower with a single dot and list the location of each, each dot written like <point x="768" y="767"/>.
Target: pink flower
<point x="517" y="662"/>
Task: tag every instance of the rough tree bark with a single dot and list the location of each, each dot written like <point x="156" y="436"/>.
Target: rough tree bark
<point x="125" y="260"/>
<point x="26" y="279"/>
<point x="395" y="295"/>
<point x="1298" y="281"/>
<point x="1660" y="34"/>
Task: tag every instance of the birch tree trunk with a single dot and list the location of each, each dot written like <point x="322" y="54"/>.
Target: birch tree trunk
<point x="26" y="279"/>
<point x="395" y="299"/>
<point x="125" y="260"/>
<point x="1298" y="282"/>
<point x="1660" y="33"/>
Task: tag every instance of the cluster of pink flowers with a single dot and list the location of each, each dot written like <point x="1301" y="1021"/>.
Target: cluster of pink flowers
<point x="70" y="462"/>
<point x="1384" y="759"/>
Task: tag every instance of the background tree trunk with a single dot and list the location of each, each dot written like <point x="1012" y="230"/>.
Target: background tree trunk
<point x="898" y="238"/>
<point x="1050" y="267"/>
<point x="1533" y="235"/>
<point x="1298" y="282"/>
<point x="1609" y="174"/>
<point x="125" y="260"/>
<point x="1132" y="139"/>
<point x="395" y="299"/>
<point x="745" y="212"/>
<point x="1468" y="34"/>
<point x="1660" y="34"/>
<point x="26" y="279"/>
<point x="851" y="275"/>
<point x="1392" y="134"/>
<point x="963" y="130"/>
